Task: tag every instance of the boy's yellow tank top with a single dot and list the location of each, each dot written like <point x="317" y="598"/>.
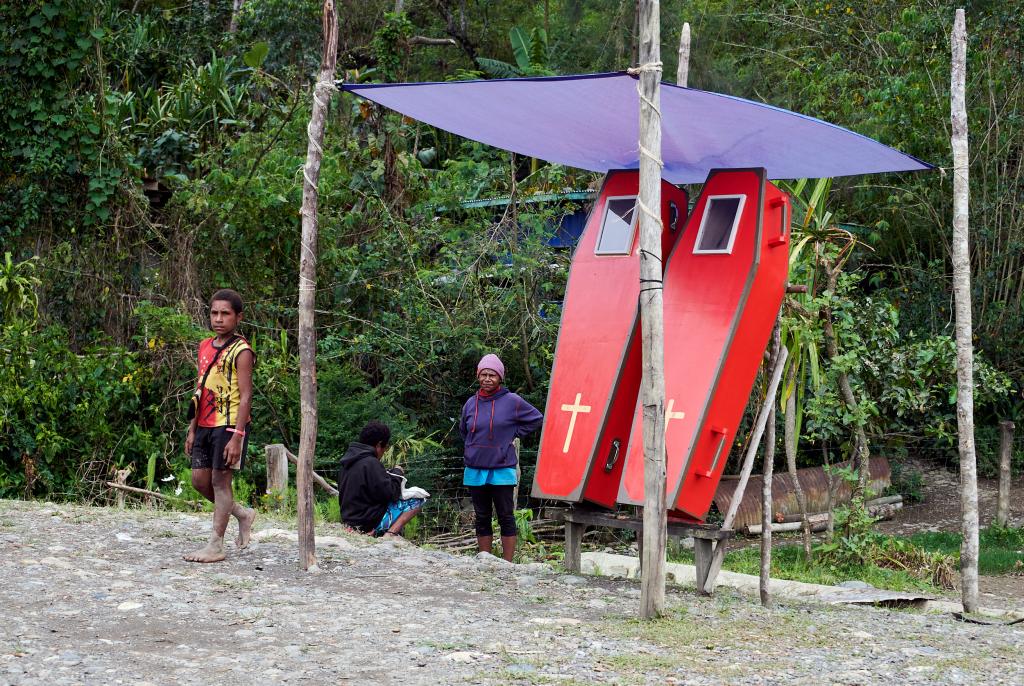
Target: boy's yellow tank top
<point x="218" y="404"/>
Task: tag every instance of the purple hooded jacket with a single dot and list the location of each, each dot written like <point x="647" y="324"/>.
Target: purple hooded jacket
<point x="490" y="423"/>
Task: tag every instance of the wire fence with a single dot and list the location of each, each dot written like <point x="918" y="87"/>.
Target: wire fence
<point x="449" y="509"/>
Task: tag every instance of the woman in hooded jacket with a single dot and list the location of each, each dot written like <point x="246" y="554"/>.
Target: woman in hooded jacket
<point x="491" y="419"/>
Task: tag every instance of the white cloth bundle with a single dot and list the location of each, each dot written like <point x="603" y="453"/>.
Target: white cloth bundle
<point x="409" y="492"/>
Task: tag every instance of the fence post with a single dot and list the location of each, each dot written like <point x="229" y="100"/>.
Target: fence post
<point x="277" y="473"/>
<point x="121" y="477"/>
<point x="1005" y="455"/>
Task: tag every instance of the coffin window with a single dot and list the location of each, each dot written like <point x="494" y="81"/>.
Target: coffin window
<point x="719" y="223"/>
<point x="617" y="227"/>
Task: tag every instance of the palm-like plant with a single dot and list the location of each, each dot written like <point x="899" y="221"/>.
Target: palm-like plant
<point x="819" y="253"/>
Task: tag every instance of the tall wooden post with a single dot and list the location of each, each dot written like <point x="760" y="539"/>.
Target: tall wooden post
<point x="962" y="297"/>
<point x="652" y="387"/>
<point x="307" y="289"/>
<point x="683" y="69"/>
<point x="1005" y="456"/>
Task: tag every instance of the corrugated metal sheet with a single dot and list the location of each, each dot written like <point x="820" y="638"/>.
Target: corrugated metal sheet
<point x="813" y="482"/>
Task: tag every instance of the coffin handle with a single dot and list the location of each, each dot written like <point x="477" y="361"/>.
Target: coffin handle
<point x="613" y="455"/>
<point x="718" y="451"/>
<point x="784" y="204"/>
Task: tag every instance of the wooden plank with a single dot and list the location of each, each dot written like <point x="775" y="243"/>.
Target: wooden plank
<point x="703" y="531"/>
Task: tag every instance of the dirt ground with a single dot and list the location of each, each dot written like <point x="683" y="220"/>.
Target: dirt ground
<point x="940" y="511"/>
<point x="102" y="596"/>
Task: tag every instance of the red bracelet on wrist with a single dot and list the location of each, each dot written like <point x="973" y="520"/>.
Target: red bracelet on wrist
<point x="236" y="431"/>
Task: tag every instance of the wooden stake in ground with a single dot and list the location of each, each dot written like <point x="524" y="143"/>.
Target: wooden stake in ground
<point x="121" y="478"/>
<point x="789" y="440"/>
<point x="766" y="484"/>
<point x="964" y="345"/>
<point x="1005" y="453"/>
<point x="307" y="288"/>
<point x="652" y="387"/>
<point x="277" y="472"/>
<point x="748" y="466"/>
<point x="683" y="70"/>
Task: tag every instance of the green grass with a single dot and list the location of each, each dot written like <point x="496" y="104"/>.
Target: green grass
<point x="1001" y="552"/>
<point x="788" y="563"/>
<point x="1001" y="549"/>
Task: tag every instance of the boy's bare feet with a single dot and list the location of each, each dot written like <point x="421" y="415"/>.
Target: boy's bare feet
<point x="212" y="552"/>
<point x="245" y="520"/>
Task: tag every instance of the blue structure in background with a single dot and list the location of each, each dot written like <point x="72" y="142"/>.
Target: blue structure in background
<point x="570" y="226"/>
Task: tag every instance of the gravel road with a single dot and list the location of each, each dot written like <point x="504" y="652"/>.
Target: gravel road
<point x="102" y="596"/>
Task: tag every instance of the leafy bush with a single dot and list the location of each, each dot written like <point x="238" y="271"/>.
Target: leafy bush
<point x="907" y="481"/>
<point x="68" y="419"/>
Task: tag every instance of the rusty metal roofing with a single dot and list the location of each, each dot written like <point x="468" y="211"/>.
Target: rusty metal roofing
<point x="813" y="482"/>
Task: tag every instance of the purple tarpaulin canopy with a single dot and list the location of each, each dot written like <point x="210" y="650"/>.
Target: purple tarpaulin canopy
<point x="592" y="122"/>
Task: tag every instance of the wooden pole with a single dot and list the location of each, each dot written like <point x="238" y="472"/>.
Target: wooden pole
<point x="683" y="70"/>
<point x="652" y="387"/>
<point x="748" y="466"/>
<point x="766" y="484"/>
<point x="236" y="10"/>
<point x="962" y="297"/>
<point x="1005" y="454"/>
<point x="307" y="288"/>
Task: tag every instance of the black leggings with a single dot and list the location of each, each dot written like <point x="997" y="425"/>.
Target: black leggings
<point x="501" y="497"/>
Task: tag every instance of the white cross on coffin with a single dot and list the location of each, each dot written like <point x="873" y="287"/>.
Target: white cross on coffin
<point x="575" y="408"/>
<point x="670" y="415"/>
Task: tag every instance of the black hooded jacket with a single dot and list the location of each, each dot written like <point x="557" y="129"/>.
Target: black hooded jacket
<point x="365" y="488"/>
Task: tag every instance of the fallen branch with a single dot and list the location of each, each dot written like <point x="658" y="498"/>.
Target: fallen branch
<point x="424" y="40"/>
<point x="819" y="520"/>
<point x="316" y="477"/>
<point x="816" y="525"/>
<point x="154" y="494"/>
<point x="463" y="541"/>
<point x="885" y="511"/>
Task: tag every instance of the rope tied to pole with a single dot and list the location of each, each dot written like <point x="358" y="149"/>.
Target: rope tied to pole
<point x="321" y="99"/>
<point x="656" y="69"/>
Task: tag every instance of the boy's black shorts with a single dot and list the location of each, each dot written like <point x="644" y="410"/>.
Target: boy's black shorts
<point x="208" y="447"/>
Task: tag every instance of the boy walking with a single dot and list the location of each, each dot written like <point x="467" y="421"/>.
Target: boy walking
<point x="220" y="413"/>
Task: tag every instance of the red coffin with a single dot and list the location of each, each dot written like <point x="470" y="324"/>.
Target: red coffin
<point x="596" y="373"/>
<point x="724" y="284"/>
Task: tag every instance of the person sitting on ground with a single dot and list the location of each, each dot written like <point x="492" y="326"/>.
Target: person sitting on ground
<point x="369" y="495"/>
